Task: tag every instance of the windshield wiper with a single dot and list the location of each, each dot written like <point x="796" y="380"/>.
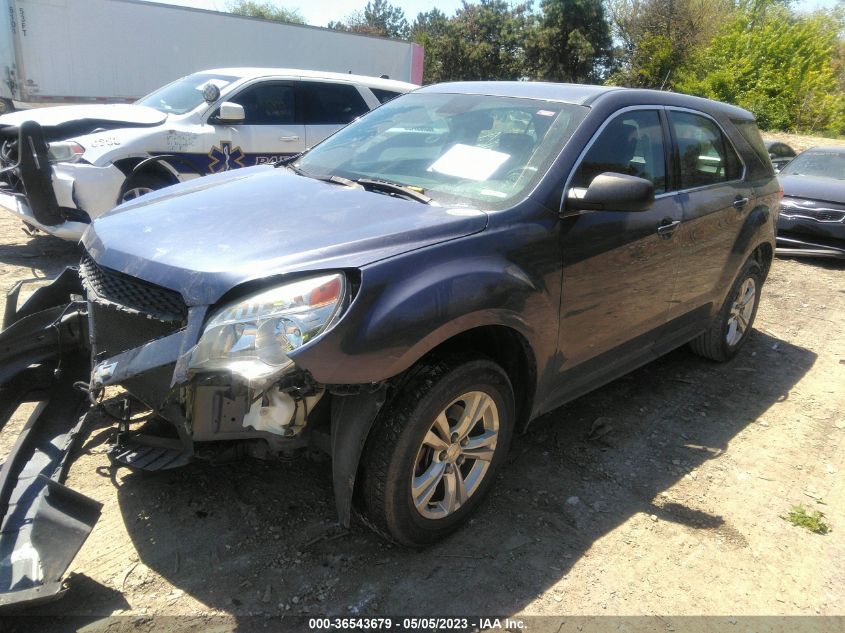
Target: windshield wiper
<point x="368" y="184"/>
<point x="287" y="160"/>
<point x="396" y="188"/>
<point x="336" y="180"/>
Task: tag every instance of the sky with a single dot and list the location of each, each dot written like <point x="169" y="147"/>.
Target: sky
<point x="321" y="12"/>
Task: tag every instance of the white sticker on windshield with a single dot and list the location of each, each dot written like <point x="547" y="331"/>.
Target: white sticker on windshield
<point x="467" y="161"/>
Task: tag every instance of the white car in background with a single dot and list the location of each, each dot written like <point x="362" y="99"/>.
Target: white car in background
<point x="61" y="167"/>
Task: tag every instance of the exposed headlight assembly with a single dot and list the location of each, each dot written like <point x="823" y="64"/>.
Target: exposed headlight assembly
<point x="64" y="152"/>
<point x="253" y="336"/>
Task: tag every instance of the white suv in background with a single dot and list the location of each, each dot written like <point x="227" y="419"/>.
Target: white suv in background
<point x="62" y="167"/>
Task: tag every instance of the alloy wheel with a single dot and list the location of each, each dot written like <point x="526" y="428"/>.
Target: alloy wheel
<point x="742" y="309"/>
<point x="135" y="192"/>
<point x="455" y="455"/>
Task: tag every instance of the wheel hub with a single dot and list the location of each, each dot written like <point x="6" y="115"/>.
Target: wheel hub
<point x="452" y="453"/>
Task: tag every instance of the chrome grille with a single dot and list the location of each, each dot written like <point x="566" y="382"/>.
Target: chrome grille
<point x="807" y="210"/>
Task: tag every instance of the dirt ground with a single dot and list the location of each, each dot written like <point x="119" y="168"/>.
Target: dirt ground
<point x="661" y="493"/>
<point x="799" y="143"/>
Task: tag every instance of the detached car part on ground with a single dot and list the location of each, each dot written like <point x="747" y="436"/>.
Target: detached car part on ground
<point x="61" y="167"/>
<point x="812" y="218"/>
<point x="404" y="297"/>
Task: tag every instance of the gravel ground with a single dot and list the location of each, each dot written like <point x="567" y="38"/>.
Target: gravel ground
<point x="661" y="493"/>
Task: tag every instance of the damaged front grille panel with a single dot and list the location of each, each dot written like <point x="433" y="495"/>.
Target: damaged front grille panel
<point x="125" y="312"/>
<point x="159" y="303"/>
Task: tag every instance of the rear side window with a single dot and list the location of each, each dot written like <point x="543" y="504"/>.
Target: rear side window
<point x="705" y="155"/>
<point x="384" y="95"/>
<point x="632" y="143"/>
<point x="335" y="104"/>
<point x="762" y="167"/>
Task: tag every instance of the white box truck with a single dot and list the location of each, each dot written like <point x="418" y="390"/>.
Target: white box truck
<point x="89" y="51"/>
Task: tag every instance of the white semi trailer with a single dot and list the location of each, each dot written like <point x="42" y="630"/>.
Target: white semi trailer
<point x="89" y="51"/>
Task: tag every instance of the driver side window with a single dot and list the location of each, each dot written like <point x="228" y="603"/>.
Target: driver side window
<point x="632" y="143"/>
<point x="267" y="104"/>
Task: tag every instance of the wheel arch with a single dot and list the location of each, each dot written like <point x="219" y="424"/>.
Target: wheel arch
<point x="163" y="167"/>
<point x="353" y="416"/>
<point x="509" y="349"/>
<point x="153" y="165"/>
<point x="755" y="240"/>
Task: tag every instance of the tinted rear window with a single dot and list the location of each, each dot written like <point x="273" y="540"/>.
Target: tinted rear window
<point x="384" y="95"/>
<point x="335" y="104"/>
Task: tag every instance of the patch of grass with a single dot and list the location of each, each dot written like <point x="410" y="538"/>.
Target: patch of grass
<point x="811" y="521"/>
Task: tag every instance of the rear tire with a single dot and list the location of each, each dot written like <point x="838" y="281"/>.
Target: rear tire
<point x="732" y="325"/>
<point x="142" y="184"/>
<point x="436" y="449"/>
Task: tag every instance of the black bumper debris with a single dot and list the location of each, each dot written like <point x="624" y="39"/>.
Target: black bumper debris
<point x="43" y="352"/>
<point x="35" y="173"/>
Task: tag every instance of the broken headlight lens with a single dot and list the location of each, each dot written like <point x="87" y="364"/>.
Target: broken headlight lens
<point x="64" y="152"/>
<point x="253" y="336"/>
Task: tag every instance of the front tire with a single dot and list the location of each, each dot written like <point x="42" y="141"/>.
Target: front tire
<point x="142" y="184"/>
<point x="436" y="449"/>
<point x="732" y="325"/>
<point x="6" y="106"/>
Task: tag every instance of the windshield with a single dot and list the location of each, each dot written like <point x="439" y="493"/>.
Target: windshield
<point x="825" y="164"/>
<point x="183" y="95"/>
<point x="461" y="150"/>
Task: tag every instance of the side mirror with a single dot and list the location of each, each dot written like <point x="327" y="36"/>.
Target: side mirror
<point x="231" y="113"/>
<point x="612" y="192"/>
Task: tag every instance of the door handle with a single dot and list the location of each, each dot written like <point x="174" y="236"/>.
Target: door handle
<point x="667" y="227"/>
<point x="740" y="202"/>
<point x="289" y="139"/>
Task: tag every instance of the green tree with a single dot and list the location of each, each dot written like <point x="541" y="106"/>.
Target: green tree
<point x="781" y="66"/>
<point x="266" y="10"/>
<point x="429" y="30"/>
<point x="657" y="39"/>
<point x="483" y="41"/>
<point x="378" y="17"/>
<point x="571" y="42"/>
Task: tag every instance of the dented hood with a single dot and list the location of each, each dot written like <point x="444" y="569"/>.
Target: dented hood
<point x="110" y="116"/>
<point x="206" y="236"/>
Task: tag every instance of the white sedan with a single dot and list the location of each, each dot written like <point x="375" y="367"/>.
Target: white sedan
<point x="61" y="167"/>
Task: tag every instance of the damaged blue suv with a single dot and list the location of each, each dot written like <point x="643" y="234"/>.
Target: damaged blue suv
<point x="402" y="297"/>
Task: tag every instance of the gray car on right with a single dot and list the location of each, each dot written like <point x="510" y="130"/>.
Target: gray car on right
<point x="812" y="212"/>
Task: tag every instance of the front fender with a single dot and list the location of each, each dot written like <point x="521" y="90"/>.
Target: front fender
<point x="407" y="305"/>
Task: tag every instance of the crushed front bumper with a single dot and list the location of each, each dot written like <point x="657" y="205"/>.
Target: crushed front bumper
<point x="17" y="205"/>
<point x="43" y="353"/>
<point x="810" y="229"/>
<point x="128" y="333"/>
<point x="59" y="199"/>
